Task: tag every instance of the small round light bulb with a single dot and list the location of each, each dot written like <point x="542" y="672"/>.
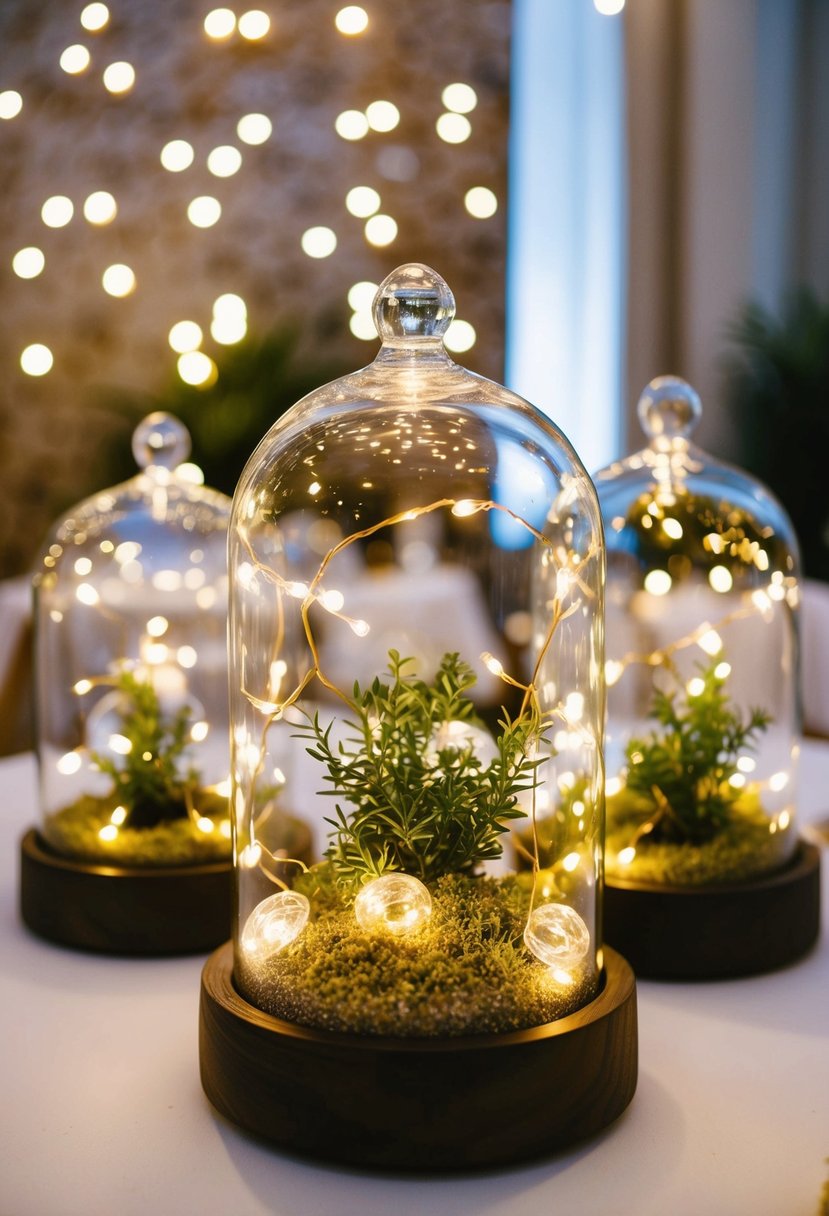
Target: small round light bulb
<point x="393" y="903"/>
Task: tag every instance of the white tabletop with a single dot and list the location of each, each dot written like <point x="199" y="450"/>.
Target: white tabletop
<point x="102" y="1112"/>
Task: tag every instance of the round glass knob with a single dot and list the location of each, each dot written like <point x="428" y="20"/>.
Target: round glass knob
<point x="413" y="302"/>
<point x="669" y="408"/>
<point x="160" y="440"/>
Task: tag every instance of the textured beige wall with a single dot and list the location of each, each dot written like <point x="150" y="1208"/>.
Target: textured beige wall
<point x="72" y="137"/>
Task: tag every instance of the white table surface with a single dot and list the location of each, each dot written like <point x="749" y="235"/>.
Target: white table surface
<point x="102" y="1112"/>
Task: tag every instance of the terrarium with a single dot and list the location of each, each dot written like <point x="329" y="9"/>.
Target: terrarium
<point x="416" y="628"/>
<point x="703" y="721"/>
<point x="133" y="850"/>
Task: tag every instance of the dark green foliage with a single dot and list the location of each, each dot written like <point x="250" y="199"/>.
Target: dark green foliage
<point x="411" y="800"/>
<point x="147" y="781"/>
<point x="258" y="380"/>
<point x="684" y="768"/>
<point x="778" y="390"/>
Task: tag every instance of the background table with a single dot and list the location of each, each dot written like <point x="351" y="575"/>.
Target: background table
<point x="103" y="1112"/>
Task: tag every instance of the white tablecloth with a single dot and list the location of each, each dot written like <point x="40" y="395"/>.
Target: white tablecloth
<point x="102" y="1112"/>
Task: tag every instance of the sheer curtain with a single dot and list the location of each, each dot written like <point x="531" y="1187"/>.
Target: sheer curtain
<point x="567" y="220"/>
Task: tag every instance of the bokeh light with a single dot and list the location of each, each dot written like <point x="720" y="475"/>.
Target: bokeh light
<point x="11" y="103"/>
<point x="362" y="326"/>
<point x="57" y="211"/>
<point x="29" y="262"/>
<point x="480" y="202"/>
<point x="382" y="115"/>
<point x="197" y="369"/>
<point x="224" y="161"/>
<point x="254" y="25"/>
<point x="204" y="211"/>
<point x="460" y="336"/>
<point x="351" y="20"/>
<point x="36" y="360"/>
<point x="319" y="242"/>
<point x="119" y="77"/>
<point x="362" y="201"/>
<point x="254" y="129"/>
<point x="177" y="155"/>
<point x="608" y="8"/>
<point x="220" y="23"/>
<point x="361" y="295"/>
<point x="460" y="98"/>
<point x="185" y="336"/>
<point x="75" y="59"/>
<point x="453" y="128"/>
<point x="118" y="280"/>
<point x="351" y="124"/>
<point x="100" y="208"/>
<point x="380" y="230"/>
<point x="94" y="17"/>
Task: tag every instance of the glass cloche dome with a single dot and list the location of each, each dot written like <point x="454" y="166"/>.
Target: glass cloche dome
<point x="130" y="667"/>
<point x="703" y="725"/>
<point x="416" y="621"/>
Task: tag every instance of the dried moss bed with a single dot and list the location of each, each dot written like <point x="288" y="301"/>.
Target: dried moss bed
<point x="743" y="850"/>
<point x="467" y="972"/>
<point x="73" y="831"/>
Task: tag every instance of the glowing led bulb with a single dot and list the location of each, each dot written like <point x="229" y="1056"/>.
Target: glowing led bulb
<point x="557" y="936"/>
<point x="710" y="642"/>
<point x="351" y="20"/>
<point x="613" y="671"/>
<point x="94" y="17"/>
<point x="119" y="77"/>
<point x="720" y="578"/>
<point x="626" y="856"/>
<point x="394" y="903"/>
<point x="75" y="59"/>
<point x="254" y="25"/>
<point x="69" y="763"/>
<point x="274" y="924"/>
<point x="177" y="155"/>
<point x="362" y="326"/>
<point x="254" y="128"/>
<point x="658" y="582"/>
<point x="361" y="295"/>
<point x="82" y="687"/>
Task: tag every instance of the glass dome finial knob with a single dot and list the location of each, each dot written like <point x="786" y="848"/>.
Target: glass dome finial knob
<point x="413" y="302"/>
<point x="160" y="440"/>
<point x="669" y="408"/>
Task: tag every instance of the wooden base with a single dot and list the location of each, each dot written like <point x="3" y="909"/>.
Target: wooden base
<point x="419" y="1104"/>
<point x="115" y="910"/>
<point x="717" y="932"/>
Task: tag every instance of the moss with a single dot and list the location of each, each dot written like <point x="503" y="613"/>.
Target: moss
<point x="466" y="972"/>
<point x="744" y="848"/>
<point x="74" y="830"/>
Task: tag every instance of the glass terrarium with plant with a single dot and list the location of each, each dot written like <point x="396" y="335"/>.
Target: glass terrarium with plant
<point x="416" y="570"/>
<point x="131" y="669"/>
<point x="703" y="728"/>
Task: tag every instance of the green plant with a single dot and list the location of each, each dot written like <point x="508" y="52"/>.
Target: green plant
<point x="684" y="769"/>
<point x="778" y="386"/>
<point x="147" y="780"/>
<point x="416" y="797"/>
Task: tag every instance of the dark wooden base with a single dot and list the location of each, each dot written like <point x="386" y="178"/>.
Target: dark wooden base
<point x="419" y="1104"/>
<point x="718" y="932"/>
<point x="115" y="910"/>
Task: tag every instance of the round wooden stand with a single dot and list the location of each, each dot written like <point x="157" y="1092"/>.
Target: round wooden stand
<point x="419" y="1104"/>
<point x="115" y="910"/>
<point x="717" y="932"/>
